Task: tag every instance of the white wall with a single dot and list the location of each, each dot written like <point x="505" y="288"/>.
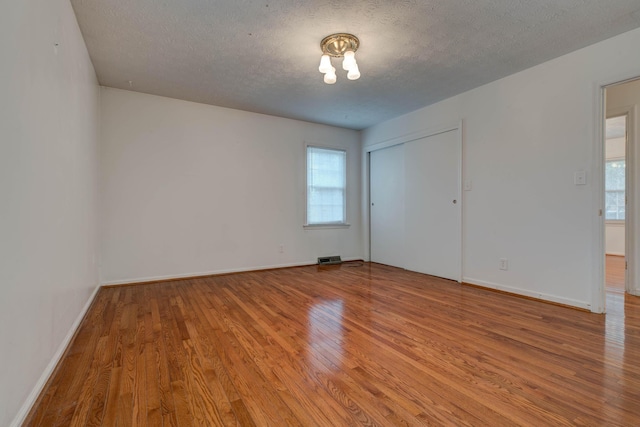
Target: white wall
<point x="614" y="238"/>
<point x="48" y="191"/>
<point x="627" y="97"/>
<point x="524" y="137"/>
<point x="192" y="189"/>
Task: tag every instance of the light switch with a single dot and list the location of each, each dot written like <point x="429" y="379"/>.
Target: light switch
<point x="467" y="185"/>
<point x="580" y="178"/>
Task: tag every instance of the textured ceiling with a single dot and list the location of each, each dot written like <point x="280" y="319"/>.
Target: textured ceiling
<point x="263" y="56"/>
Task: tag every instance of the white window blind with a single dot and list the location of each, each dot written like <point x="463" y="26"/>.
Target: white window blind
<point x="326" y="186"/>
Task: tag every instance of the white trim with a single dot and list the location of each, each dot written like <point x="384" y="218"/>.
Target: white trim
<point x="46" y="374"/>
<point x="366" y="194"/>
<point x="424" y="133"/>
<point x="531" y="294"/>
<point x="631" y="208"/>
<point x="597" y="285"/>
<point x="325" y="226"/>
<point x="461" y="199"/>
<point x="148" y="279"/>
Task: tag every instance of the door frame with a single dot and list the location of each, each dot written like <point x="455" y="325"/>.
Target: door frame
<point x="629" y="222"/>
<point x="598" y="286"/>
<point x="423" y="133"/>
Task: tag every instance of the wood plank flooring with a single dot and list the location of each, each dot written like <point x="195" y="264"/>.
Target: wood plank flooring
<point x="615" y="273"/>
<point x="357" y="344"/>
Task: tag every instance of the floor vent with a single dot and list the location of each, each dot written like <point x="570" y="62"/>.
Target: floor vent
<point x="324" y="260"/>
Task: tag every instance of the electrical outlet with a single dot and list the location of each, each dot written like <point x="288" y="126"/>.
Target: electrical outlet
<point x="281" y="249"/>
<point x="504" y="264"/>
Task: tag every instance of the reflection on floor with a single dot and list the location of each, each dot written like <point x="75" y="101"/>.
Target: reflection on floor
<point x="622" y="310"/>
<point x="354" y="344"/>
<point x="615" y="273"/>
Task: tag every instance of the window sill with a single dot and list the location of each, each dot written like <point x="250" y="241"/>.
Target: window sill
<point x="618" y="222"/>
<point x="324" y="226"/>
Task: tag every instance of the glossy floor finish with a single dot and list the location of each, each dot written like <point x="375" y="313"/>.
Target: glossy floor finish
<point x="615" y="270"/>
<point x="358" y="344"/>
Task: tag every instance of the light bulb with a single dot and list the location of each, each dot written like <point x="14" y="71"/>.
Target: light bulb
<point x="330" y="77"/>
<point x="354" y="73"/>
<point x="349" y="60"/>
<point x="325" y="64"/>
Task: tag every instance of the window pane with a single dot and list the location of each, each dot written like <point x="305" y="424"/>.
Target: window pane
<point x="326" y="185"/>
<point x="615" y="174"/>
<point x="614" y="204"/>
<point x="615" y="189"/>
<point x="616" y="134"/>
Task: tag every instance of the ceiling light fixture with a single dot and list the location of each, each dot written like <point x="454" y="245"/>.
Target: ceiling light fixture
<point x="340" y="45"/>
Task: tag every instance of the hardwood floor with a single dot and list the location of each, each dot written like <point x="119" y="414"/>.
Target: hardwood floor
<point x="615" y="273"/>
<point x="357" y="344"/>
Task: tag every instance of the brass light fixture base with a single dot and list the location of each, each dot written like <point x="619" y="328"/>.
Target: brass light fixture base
<point x="337" y="44"/>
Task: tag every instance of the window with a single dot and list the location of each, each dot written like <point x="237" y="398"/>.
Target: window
<point x="326" y="186"/>
<point x="614" y="178"/>
<point x="614" y="189"/>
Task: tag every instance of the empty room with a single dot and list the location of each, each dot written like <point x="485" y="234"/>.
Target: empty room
<point x="319" y="213"/>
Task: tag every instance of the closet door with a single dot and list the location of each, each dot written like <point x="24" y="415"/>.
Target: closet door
<point x="386" y="169"/>
<point x="433" y="206"/>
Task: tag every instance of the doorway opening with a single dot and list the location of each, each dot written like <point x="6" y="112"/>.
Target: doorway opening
<point x="620" y="191"/>
<point x="615" y="201"/>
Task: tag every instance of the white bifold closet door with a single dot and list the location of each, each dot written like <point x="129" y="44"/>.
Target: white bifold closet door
<point x="422" y="232"/>
<point x="387" y="205"/>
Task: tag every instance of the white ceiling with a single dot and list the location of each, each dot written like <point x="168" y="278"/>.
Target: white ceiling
<point x="263" y="56"/>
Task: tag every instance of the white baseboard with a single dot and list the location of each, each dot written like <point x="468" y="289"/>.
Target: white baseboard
<point x="527" y="293"/>
<point x="42" y="381"/>
<point x="212" y="273"/>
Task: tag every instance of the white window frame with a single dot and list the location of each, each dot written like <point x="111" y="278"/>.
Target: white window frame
<point x="329" y="225"/>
